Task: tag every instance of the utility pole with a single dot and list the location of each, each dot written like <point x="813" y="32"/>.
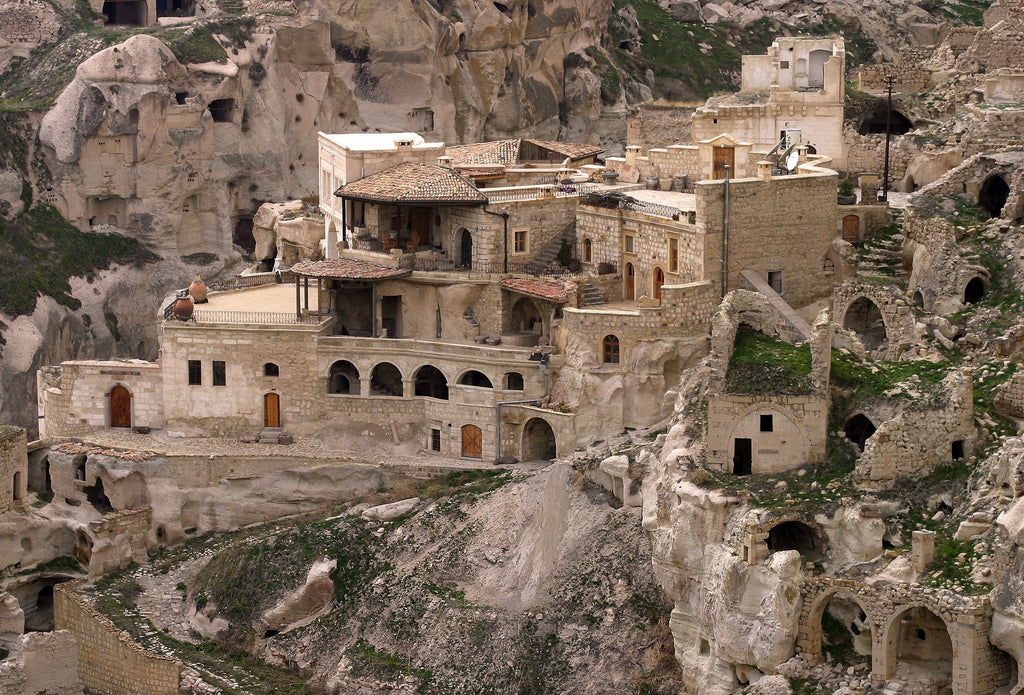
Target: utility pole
<point x="889" y="79"/>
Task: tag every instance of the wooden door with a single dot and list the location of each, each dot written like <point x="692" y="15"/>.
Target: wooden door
<point x="120" y="407"/>
<point x="419" y="227"/>
<point x="472" y="442"/>
<point x="723" y="156"/>
<point x="659" y="280"/>
<point x="271" y="410"/>
<point x="630" y="281"/>
<point x="851" y="229"/>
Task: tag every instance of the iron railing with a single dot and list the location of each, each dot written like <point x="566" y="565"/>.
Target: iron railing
<point x="258" y="318"/>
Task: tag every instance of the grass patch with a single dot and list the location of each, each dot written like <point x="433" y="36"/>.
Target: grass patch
<point x="371" y="663"/>
<point x="64" y="563"/>
<point x="837" y="642"/>
<point x="42" y="251"/>
<point x="762" y="364"/>
<point x="965" y="12"/>
<point x="866" y="380"/>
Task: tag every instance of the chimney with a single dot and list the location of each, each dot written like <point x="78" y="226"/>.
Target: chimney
<point x="444" y="161"/>
<point x="764" y="170"/>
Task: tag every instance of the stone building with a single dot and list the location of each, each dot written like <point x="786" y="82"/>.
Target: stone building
<point x="13" y="467"/>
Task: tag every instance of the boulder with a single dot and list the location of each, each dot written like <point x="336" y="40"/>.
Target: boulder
<point x="391" y="511"/>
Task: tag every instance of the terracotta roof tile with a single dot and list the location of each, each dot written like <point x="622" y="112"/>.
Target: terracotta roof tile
<point x="410" y="183"/>
<point x="503" y="152"/>
<point x="550" y="290"/>
<point x="347" y="268"/>
<point x="572" y="150"/>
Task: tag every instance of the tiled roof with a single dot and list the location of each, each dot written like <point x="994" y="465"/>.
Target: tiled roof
<point x="347" y="268"/>
<point x="411" y="183"/>
<point x="572" y="150"/>
<point x="550" y="290"/>
<point x="504" y="152"/>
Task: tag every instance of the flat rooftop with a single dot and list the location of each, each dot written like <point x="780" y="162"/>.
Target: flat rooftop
<point x="680" y="201"/>
<point x="270" y="298"/>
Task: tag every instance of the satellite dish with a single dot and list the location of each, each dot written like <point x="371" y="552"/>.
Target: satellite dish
<point x="792" y="159"/>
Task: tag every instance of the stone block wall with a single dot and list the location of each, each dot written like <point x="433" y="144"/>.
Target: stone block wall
<point x="867" y="153"/>
<point x="910" y="76"/>
<point x="1009" y="399"/>
<point x="119" y="539"/>
<point x="785" y="224"/>
<point x="13" y="467"/>
<point x="75" y="396"/>
<point x="109" y="661"/>
<point x="796" y="435"/>
<point x="652" y="125"/>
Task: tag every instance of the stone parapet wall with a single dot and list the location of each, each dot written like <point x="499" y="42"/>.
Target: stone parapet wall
<point x="13" y="466"/>
<point x="109" y="661"/>
<point x="867" y="153"/>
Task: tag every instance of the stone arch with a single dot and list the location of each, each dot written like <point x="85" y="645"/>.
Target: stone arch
<point x="918" y="299"/>
<point x="464" y="248"/>
<point x="751" y="421"/>
<point x="271" y="369"/>
<point x="472" y="377"/>
<point x="526" y="317"/>
<point x="975" y="289"/>
<point x="514" y="381"/>
<point x="798" y="535"/>
<point x="119" y="406"/>
<point x="386" y="380"/>
<point x="864" y="317"/>
<point x="588" y="250"/>
<point x="873" y="122"/>
<point x="431" y="382"/>
<point x="861" y="626"/>
<point x="538" y="442"/>
<point x="343" y="378"/>
<point x="859" y="429"/>
<point x="993" y="194"/>
<point x="917" y="636"/>
<point x="659" y="280"/>
<point x="816" y="60"/>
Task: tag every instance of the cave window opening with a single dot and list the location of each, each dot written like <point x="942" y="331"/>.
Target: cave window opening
<point x="130" y="14"/>
<point x="974" y="291"/>
<point x="271" y="633"/>
<point x="44" y="609"/>
<point x="858" y="429"/>
<point x="501" y="7"/>
<point x="798" y="536"/>
<point x="180" y="97"/>
<point x="222" y="110"/>
<point x="958" y="450"/>
<point x="79" y="462"/>
<point x="97" y="498"/>
<point x="874" y="122"/>
<point x="431" y="382"/>
<point x="767" y="424"/>
<point x="993" y="195"/>
<point x="386" y="380"/>
<point x="242" y="236"/>
<point x="865" y="319"/>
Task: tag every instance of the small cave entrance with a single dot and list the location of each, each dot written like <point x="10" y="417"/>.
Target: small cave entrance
<point x="798" y="536"/>
<point x="919" y="645"/>
<point x="538" y="441"/>
<point x="858" y="429"/>
<point x="222" y="110"/>
<point x="175" y="8"/>
<point x="97" y="498"/>
<point x="386" y="380"/>
<point x="243" y="237"/>
<point x="130" y="14"/>
<point x="957" y="450"/>
<point x="36" y="601"/>
<point x="846" y="632"/>
<point x="993" y="195"/>
<point x="873" y="122"/>
<point x="974" y="291"/>
<point x="864" y="318"/>
<point x="430" y="382"/>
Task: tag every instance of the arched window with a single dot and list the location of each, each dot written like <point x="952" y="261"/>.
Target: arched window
<point x="386" y="380"/>
<point x="610" y="350"/>
<point x="343" y="378"/>
<point x="475" y="378"/>
<point x="514" y="381"/>
<point x="588" y="251"/>
<point x="271" y="369"/>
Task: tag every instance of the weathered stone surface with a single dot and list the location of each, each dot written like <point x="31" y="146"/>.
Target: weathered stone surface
<point x="390" y="512"/>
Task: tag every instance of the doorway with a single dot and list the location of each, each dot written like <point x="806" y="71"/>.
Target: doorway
<point x="723" y="157"/>
<point x="659" y="280"/>
<point x="391" y="316"/>
<point x="851" y="228"/>
<point x="630" y="281"/>
<point x="742" y="459"/>
<point x="472" y="442"/>
<point x="271" y="410"/>
<point x="120" y="407"/>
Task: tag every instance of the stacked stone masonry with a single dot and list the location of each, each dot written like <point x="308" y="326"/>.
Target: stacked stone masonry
<point x="13" y="467"/>
<point x="109" y="661"/>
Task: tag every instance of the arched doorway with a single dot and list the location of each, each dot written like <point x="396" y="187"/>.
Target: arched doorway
<point x="386" y="380"/>
<point x="588" y="251"/>
<point x="917" y="645"/>
<point x="630" y="279"/>
<point x="851" y="228"/>
<point x="430" y="382"/>
<point x="525" y="318"/>
<point x="846" y="630"/>
<point x="271" y="410"/>
<point x="472" y="442"/>
<point x="993" y="195"/>
<point x="858" y="429"/>
<point x="120" y="407"/>
<point x="343" y="378"/>
<point x="864" y="318"/>
<point x="659" y="280"/>
<point x="538" y="441"/>
<point x="464" y="241"/>
<point x="974" y="291"/>
<point x="798" y="536"/>
<point x="816" y="67"/>
<point x="873" y="122"/>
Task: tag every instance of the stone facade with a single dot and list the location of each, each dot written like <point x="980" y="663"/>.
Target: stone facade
<point x="1010" y="397"/>
<point x="907" y="71"/>
<point x="943" y="277"/>
<point x="885" y="335"/>
<point x="119" y="539"/>
<point x="109" y="661"/>
<point x="42" y="663"/>
<point x="13" y="467"/>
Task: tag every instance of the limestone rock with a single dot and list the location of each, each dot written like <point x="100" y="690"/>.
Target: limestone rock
<point x="303" y="605"/>
<point x="391" y="511"/>
<point x="43" y="663"/>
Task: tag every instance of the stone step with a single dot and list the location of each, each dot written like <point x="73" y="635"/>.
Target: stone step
<point x="592" y="296"/>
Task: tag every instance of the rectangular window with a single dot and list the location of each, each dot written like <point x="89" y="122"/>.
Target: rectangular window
<point x="766" y="423"/>
<point x="521" y="241"/>
<point x="195" y="372"/>
<point x="673" y="255"/>
<point x="220" y="377"/>
<point x="435" y="439"/>
<point x="629" y="243"/>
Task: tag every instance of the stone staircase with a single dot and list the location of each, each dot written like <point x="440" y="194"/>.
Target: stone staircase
<point x="591" y="295"/>
<point x="274" y="435"/>
<point x="882" y="256"/>
<point x="235" y="7"/>
<point x="546" y="260"/>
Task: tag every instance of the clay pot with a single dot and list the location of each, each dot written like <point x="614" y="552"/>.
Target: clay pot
<point x="198" y="290"/>
<point x="184" y="308"/>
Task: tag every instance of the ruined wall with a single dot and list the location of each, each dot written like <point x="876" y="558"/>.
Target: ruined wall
<point x="653" y="125"/>
<point x="907" y="71"/>
<point x="785" y="224"/>
<point x="108" y="660"/>
<point x="940" y="269"/>
<point x="119" y="539"/>
<point x="795" y="435"/>
<point x="13" y="467"/>
<point x="1010" y="397"/>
